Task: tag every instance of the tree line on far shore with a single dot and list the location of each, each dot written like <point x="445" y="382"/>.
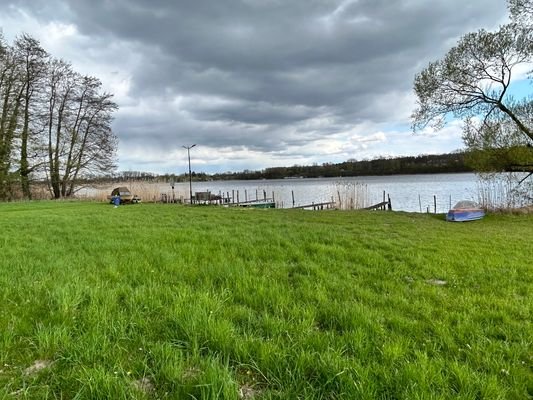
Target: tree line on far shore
<point x="422" y="164"/>
<point x="55" y="123"/>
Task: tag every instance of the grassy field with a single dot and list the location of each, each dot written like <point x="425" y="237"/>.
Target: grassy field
<point x="173" y="302"/>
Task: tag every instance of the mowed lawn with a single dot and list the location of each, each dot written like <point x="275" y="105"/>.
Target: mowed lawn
<point x="172" y="302"/>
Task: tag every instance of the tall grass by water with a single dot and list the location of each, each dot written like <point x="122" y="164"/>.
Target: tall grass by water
<point x="149" y="192"/>
<point x="348" y="195"/>
<point x="172" y="302"/>
<point x="505" y="191"/>
<point x="352" y="195"/>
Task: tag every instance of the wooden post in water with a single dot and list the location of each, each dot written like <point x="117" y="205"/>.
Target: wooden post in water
<point x="389" y="205"/>
<point x="264" y="195"/>
<point x="238" y="197"/>
<point x="233" y="196"/>
<point x="256" y="195"/>
<point x="292" y="192"/>
<point x="435" y="203"/>
<point x="419" y="202"/>
<point x="245" y="196"/>
<point x="273" y="198"/>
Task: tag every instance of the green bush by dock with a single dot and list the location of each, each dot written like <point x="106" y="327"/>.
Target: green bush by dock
<point x="174" y="302"/>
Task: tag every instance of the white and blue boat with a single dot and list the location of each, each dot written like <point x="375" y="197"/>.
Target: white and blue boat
<point x="465" y="211"/>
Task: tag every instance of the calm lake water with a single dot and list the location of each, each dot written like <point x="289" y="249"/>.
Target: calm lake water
<point x="404" y="190"/>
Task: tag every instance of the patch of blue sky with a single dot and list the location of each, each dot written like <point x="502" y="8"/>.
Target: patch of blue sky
<point x="520" y="89"/>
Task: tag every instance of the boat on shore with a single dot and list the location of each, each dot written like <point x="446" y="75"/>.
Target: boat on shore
<point x="465" y="211"/>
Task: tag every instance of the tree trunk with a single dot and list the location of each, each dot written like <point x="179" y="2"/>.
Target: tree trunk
<point x="24" y="164"/>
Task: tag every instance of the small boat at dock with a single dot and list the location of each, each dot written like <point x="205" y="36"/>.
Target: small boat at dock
<point x="258" y="204"/>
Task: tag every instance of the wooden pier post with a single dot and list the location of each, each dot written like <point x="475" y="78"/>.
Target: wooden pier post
<point x="435" y="203"/>
<point x="292" y="192"/>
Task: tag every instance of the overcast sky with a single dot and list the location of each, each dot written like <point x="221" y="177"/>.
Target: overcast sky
<point x="256" y="83"/>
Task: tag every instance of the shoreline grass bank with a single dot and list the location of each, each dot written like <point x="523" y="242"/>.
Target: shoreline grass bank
<point x="166" y="301"/>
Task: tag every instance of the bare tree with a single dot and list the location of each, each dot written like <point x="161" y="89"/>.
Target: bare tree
<point x="53" y="121"/>
<point x="11" y="95"/>
<point x="32" y="59"/>
<point x="59" y="86"/>
<point x="78" y="123"/>
<point x="92" y="146"/>
<point x="473" y="79"/>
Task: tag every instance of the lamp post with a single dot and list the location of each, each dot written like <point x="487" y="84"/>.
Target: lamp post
<point x="190" y="176"/>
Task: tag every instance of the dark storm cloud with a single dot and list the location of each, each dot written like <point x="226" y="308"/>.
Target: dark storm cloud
<point x="266" y="74"/>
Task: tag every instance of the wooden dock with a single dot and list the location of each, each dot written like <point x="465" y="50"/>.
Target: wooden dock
<point x="319" y="206"/>
<point x="384" y="205"/>
<point x="233" y="198"/>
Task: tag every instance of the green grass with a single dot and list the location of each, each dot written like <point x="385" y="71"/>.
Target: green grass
<point x="172" y="302"/>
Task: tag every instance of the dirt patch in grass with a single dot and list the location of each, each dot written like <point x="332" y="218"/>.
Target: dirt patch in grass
<point x="191" y="373"/>
<point x="436" y="282"/>
<point x="37" y="366"/>
<point x="247" y="392"/>
<point x="144" y="385"/>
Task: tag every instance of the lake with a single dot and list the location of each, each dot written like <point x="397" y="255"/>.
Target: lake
<point x="408" y="192"/>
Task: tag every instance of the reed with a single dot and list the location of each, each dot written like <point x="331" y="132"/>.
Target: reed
<point x="504" y="191"/>
<point x="147" y="191"/>
<point x="351" y="195"/>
